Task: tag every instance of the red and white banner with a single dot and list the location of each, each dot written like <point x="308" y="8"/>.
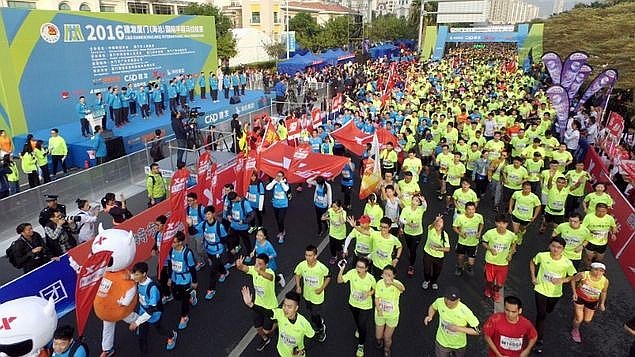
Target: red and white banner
<point x="176" y="220"/>
<point x="372" y="173"/>
<point x="205" y="171"/>
<point x="299" y="163"/>
<point x="355" y="140"/>
<point x="615" y="125"/>
<point x="316" y="117"/>
<point x="293" y="128"/>
<point x="338" y="100"/>
<point x="88" y="281"/>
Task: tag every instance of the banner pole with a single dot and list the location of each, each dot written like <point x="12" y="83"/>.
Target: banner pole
<point x="608" y="97"/>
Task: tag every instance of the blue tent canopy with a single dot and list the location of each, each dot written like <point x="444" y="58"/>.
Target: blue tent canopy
<point x="335" y="56"/>
<point x="294" y="64"/>
<point x="383" y="50"/>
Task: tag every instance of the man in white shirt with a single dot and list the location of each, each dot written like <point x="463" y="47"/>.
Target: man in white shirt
<point x="572" y="137"/>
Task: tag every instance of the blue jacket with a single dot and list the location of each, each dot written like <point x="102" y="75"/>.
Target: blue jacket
<point x="98" y="143"/>
<point x="182" y="88"/>
<point x="213" y="83"/>
<point x="280" y="89"/>
<point x="235" y="80"/>
<point x="201" y="81"/>
<point x="172" y="91"/>
<point x="156" y="96"/>
<point x="82" y="110"/>
<point x="189" y="84"/>
<point x="227" y="81"/>
<point x="243" y="78"/>
<point x="213" y="236"/>
<point x="142" y="97"/>
<point x="116" y="101"/>
<point x="182" y="266"/>
<point x="126" y="97"/>
<point x="239" y="212"/>
<point x="150" y="300"/>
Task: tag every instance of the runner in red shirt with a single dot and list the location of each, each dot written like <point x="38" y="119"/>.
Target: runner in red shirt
<point x="508" y="333"/>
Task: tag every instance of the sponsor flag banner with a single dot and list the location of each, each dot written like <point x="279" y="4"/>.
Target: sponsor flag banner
<point x="176" y="220"/>
<point x="293" y="128"/>
<point x="316" y="117"/>
<point x="337" y="102"/>
<point x="560" y="102"/>
<point x="204" y="178"/>
<point x="88" y="281"/>
<point x="572" y="66"/>
<point x="299" y="163"/>
<point x="615" y="125"/>
<point x="583" y="74"/>
<point x="372" y="172"/>
<point x="603" y="80"/>
<point x="352" y="138"/>
<point x="553" y="63"/>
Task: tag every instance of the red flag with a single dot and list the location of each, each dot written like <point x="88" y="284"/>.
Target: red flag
<point x="299" y="163"/>
<point x="249" y="166"/>
<point x="372" y="172"/>
<point x="384" y="136"/>
<point x="204" y="178"/>
<point x="352" y="138"/>
<point x="176" y="220"/>
<point x="316" y="117"/>
<point x="615" y="125"/>
<point x="88" y="281"/>
<point x="337" y="102"/>
<point x="293" y="128"/>
<point x="271" y="135"/>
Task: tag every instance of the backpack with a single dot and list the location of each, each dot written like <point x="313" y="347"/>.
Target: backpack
<point x="248" y="217"/>
<point x="12" y="252"/>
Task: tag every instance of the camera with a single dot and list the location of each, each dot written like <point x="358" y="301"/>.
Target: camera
<point x="75" y="219"/>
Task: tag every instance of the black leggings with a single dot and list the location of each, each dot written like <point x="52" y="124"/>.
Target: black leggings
<point x="412" y="242"/>
<point x="182" y="293"/>
<point x="335" y="245"/>
<point x="216" y="269"/>
<point x="163" y="282"/>
<point x="314" y="313"/>
<point x="321" y="225"/>
<point x="361" y="318"/>
<point x="143" y="334"/>
<point x="280" y="214"/>
<point x="431" y="267"/>
<point x="242" y="236"/>
<point x="544" y="306"/>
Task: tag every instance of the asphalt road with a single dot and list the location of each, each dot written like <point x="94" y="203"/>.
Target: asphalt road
<point x="217" y="327"/>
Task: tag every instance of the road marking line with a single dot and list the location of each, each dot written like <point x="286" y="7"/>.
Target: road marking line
<point x="249" y="335"/>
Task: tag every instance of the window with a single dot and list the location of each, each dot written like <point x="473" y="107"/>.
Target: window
<point x="21" y="4"/>
<point x="276" y="20"/>
<point x="84" y="7"/>
<point x="138" y="8"/>
<point x="255" y="17"/>
<point x="63" y="6"/>
<point x="180" y="9"/>
<point x="163" y="9"/>
<point x="107" y="8"/>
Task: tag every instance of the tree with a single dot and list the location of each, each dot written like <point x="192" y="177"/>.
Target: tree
<point x="389" y="28"/>
<point x="224" y="38"/>
<point x="306" y="29"/>
<point x="415" y="12"/>
<point x="275" y="49"/>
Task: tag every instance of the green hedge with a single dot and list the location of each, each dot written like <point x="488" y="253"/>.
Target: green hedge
<point x="257" y="65"/>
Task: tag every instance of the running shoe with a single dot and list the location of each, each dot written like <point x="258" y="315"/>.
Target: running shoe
<point x="575" y="335"/>
<point x="263" y="344"/>
<point x="435" y="286"/>
<point x="248" y="260"/>
<point x="458" y="271"/>
<point x="200" y="265"/>
<point x="183" y="322"/>
<point x="193" y="298"/>
<point x="322" y="333"/>
<point x="282" y="282"/>
<point x="360" y="351"/>
<point x="210" y="294"/>
<point x="379" y="344"/>
<point x="425" y="285"/>
<point x="222" y="277"/>
<point x="281" y="239"/>
<point x="538" y="348"/>
<point x="171" y="342"/>
<point x="167" y="299"/>
<point x="252" y="229"/>
<point x="109" y="353"/>
<point x="411" y="271"/>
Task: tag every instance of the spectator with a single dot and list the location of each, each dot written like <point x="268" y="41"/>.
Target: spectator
<point x="87" y="219"/>
<point x="155" y="185"/>
<point x="14" y="176"/>
<point x="47" y="212"/>
<point x="98" y="143"/>
<point x="156" y="149"/>
<point x="59" y="238"/>
<point x="30" y="250"/>
<point x="41" y="156"/>
<point x="6" y="146"/>
<point x="181" y="135"/>
<point x="28" y="162"/>
<point x="5" y="186"/>
<point x="58" y="150"/>
<point x="64" y="344"/>
<point x="116" y="209"/>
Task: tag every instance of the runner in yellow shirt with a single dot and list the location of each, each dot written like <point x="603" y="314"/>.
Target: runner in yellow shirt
<point x="456" y="171"/>
<point x="589" y="293"/>
<point x="336" y="216"/>
<point x="468" y="226"/>
<point x="362" y="233"/>
<point x="512" y="176"/>
<point x="456" y="321"/>
<point x="577" y="183"/>
<point x="462" y="196"/>
<point x="388" y="290"/>
<point x="311" y="278"/>
<point x="413" y="164"/>
<point x="556" y="199"/>
<point x="443" y="161"/>
<point x="436" y="246"/>
<point x="360" y="301"/>
<point x="597" y="196"/>
<point x="575" y="235"/>
<point x="500" y="246"/>
<point x="411" y="222"/>
<point x="563" y="157"/>
<point x="602" y="226"/>
<point x="524" y="207"/>
<point x="384" y="246"/>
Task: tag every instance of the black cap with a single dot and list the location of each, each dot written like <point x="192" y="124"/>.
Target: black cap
<point x="51" y="198"/>
<point x="451" y="293"/>
<point x="234" y="116"/>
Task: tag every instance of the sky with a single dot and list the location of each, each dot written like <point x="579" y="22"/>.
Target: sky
<point x="546" y="6"/>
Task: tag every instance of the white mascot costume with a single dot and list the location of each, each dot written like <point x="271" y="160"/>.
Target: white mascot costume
<point x="26" y="326"/>
<point x="117" y="296"/>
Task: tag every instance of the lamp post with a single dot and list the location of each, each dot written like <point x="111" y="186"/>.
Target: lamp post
<point x="287" y="27"/>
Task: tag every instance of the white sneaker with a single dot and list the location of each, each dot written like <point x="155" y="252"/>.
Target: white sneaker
<point x="425" y="285"/>
<point x="282" y="282"/>
<point x="435" y="286"/>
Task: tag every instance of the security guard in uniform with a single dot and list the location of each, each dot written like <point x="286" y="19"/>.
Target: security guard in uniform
<point x="51" y="205"/>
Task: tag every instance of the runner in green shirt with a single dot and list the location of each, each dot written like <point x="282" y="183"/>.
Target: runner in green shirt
<point x="577" y="183"/>
<point x="500" y="246"/>
<point x="436" y="246"/>
<point x="524" y="206"/>
<point x="411" y="221"/>
<point x="563" y="157"/>
<point x="468" y="226"/>
<point x="387" y="293"/>
<point x="554" y="270"/>
<point x="265" y="291"/>
<point x="463" y="196"/>
<point x="336" y="217"/>
<point x="362" y="233"/>
<point x="597" y="196"/>
<point x="454" y="319"/>
<point x="556" y="199"/>
<point x="383" y="247"/>
<point x="602" y="226"/>
<point x="575" y="235"/>
<point x="292" y="327"/>
<point x="311" y="278"/>
<point x="512" y="178"/>
<point x="534" y="165"/>
<point x="456" y="171"/>
<point x="360" y="301"/>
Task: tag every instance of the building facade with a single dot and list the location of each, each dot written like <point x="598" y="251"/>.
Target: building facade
<point x="511" y="12"/>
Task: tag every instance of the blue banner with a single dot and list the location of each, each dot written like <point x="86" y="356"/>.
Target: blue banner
<point x="55" y="279"/>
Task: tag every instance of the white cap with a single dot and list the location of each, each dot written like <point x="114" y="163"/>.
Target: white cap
<point x="598" y="265"/>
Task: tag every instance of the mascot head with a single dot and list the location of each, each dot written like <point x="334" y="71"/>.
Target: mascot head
<point x="121" y="243"/>
<point x="27" y="325"/>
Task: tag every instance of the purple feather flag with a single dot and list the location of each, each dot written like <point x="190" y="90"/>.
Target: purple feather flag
<point x="560" y="102"/>
<point x="604" y="79"/>
<point x="583" y="74"/>
<point x="571" y="67"/>
<point x="553" y="63"/>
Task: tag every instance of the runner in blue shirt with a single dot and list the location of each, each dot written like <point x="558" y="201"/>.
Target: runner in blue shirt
<point x="280" y="202"/>
<point x="183" y="280"/>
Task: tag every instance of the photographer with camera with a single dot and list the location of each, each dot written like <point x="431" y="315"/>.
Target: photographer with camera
<point x="86" y="220"/>
<point x="59" y="237"/>
<point x="180" y="133"/>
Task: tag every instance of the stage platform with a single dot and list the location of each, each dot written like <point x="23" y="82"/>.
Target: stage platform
<point x="138" y="130"/>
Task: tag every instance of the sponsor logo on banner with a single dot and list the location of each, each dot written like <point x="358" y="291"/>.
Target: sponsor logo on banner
<point x="89" y="282"/>
<point x="56" y="291"/>
<point x="50" y="33"/>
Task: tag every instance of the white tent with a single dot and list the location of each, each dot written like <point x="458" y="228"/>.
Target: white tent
<point x="250" y="45"/>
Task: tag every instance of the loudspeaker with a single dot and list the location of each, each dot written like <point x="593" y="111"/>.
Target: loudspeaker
<point x="115" y="148"/>
<point x="235" y="99"/>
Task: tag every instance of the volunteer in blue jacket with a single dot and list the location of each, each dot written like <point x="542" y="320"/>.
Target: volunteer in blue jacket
<point x="173" y="95"/>
<point x="240" y="216"/>
<point x="149" y="310"/>
<point x="243" y="82"/>
<point x="115" y="103"/>
<point x="100" y="107"/>
<point x="280" y="202"/>
<point x="183" y="280"/>
<point x="347" y="181"/>
<point x="133" y="100"/>
<point x="183" y="91"/>
<point x="236" y="83"/>
<point x="202" y="85"/>
<point x="214" y="236"/>
<point x="322" y="200"/>
<point x="144" y="102"/>
<point x="227" y="82"/>
<point x="157" y="99"/>
<point x="82" y="109"/>
<point x="256" y="198"/>
<point x="213" y="87"/>
<point x="189" y="84"/>
<point x="125" y="104"/>
<point x="98" y="143"/>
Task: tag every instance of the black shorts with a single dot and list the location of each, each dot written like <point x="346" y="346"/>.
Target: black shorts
<point x="588" y="304"/>
<point x="600" y="249"/>
<point x="261" y="319"/>
<point x="468" y="250"/>
<point x="450" y="189"/>
<point x="442" y="177"/>
<point x="426" y="160"/>
<point x="552" y="218"/>
<point x="522" y="222"/>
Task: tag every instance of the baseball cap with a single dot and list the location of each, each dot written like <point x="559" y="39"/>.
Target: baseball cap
<point x="598" y="265"/>
<point x="365" y="219"/>
<point x="451" y="293"/>
<point x="51" y="198"/>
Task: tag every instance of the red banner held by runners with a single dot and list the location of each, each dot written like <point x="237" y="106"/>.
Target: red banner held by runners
<point x="205" y="170"/>
<point x="88" y="281"/>
<point x="352" y="138"/>
<point x="316" y="117"/>
<point x="615" y="125"/>
<point x="293" y="128"/>
<point x="176" y="220"/>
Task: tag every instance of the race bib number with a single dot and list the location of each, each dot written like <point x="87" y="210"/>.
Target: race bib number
<point x="260" y="291"/>
<point x="251" y="197"/>
<point x="445" y="327"/>
<point x="550" y="277"/>
<point x="279" y="195"/>
<point x="320" y="200"/>
<point x="470" y="232"/>
<point x="358" y="295"/>
<point x="499" y="247"/>
<point x="511" y="344"/>
<point x="522" y="209"/>
<point x="194" y="220"/>
<point x="288" y="339"/>
<point x="311" y="281"/>
<point x="346" y="174"/>
<point x="104" y="286"/>
<point x="362" y="248"/>
<point x="558" y="205"/>
<point x="386" y="306"/>
<point x="210" y="237"/>
<point x="600" y="234"/>
<point x="236" y="215"/>
<point x="591" y="292"/>
<point x="177" y="266"/>
<point x="142" y="300"/>
<point x="381" y="254"/>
